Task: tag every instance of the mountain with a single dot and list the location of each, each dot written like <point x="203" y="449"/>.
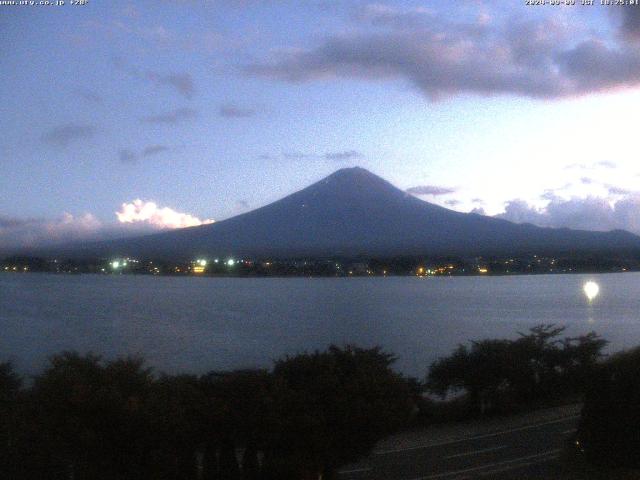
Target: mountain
<point x="354" y="212"/>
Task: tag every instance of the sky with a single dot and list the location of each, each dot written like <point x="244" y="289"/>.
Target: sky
<point x="124" y="117"/>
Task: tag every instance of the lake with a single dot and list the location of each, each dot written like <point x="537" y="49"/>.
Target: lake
<point x="199" y="324"/>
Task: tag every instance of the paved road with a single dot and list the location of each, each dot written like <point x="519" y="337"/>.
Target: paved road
<point x="524" y="451"/>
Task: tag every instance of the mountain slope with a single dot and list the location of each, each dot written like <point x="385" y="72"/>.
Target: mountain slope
<point x="353" y="212"/>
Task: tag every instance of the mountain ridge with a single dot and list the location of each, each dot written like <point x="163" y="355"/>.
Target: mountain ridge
<point x="354" y="212"/>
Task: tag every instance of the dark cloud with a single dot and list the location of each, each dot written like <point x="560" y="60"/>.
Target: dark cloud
<point x="63" y="135"/>
<point x="127" y="156"/>
<point x="477" y="200"/>
<point x="549" y="194"/>
<point x="297" y="155"/>
<point x="337" y="156"/>
<point x="343" y="156"/>
<point x="154" y="150"/>
<point x="531" y="58"/>
<point x="381" y="15"/>
<point x="590" y="213"/>
<point x="452" y="202"/>
<point x="29" y="232"/>
<point x="478" y="211"/>
<point x="430" y="190"/>
<point x="11" y="222"/>
<point x="630" y="25"/>
<point x="181" y="82"/>
<point x="171" y="117"/>
<point x="88" y="95"/>
<point x="234" y="111"/>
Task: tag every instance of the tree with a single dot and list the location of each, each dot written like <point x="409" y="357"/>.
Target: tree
<point x="538" y="365"/>
<point x="10" y="385"/>
<point x="610" y="421"/>
<point x="333" y="407"/>
<point x="484" y="371"/>
<point x="85" y="419"/>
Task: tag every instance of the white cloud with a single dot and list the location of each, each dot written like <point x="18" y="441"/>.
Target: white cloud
<point x="151" y="214"/>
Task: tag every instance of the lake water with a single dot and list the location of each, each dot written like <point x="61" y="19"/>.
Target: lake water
<point x="200" y="324"/>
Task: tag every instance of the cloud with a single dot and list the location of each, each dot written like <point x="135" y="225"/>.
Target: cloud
<point x="127" y="156"/>
<point x="452" y="202"/>
<point x="389" y="16"/>
<point x="234" y="111"/>
<point x="154" y="150"/>
<point x="630" y="25"/>
<point x="537" y="58"/>
<point x="297" y="155"/>
<point x="606" y="164"/>
<point x="29" y="232"/>
<point x="614" y="190"/>
<point x="344" y="155"/>
<point x="337" y="156"/>
<point x="135" y="218"/>
<point x="590" y="213"/>
<point x="586" y="180"/>
<point x="88" y="95"/>
<point x="64" y="135"/>
<point x="181" y="82"/>
<point x="430" y="190"/>
<point x="172" y="117"/>
<point x="150" y="213"/>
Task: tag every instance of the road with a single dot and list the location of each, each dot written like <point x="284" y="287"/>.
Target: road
<point x="513" y="452"/>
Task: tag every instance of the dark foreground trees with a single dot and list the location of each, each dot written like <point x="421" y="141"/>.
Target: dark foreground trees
<point x="609" y="429"/>
<point x="84" y="418"/>
<point x="501" y="374"/>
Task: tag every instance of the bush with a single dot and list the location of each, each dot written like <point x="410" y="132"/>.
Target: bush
<point x="609" y="430"/>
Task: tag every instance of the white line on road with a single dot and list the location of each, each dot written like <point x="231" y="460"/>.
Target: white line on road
<point x="355" y="470"/>
<point x="477" y="437"/>
<point x="516" y="466"/>
<point x="484" y="450"/>
<point x="540" y="456"/>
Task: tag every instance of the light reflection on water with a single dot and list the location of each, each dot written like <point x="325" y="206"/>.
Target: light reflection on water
<point x="199" y="324"/>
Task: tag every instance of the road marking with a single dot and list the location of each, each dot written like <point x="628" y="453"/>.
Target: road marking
<point x="355" y="470"/>
<point x="516" y="466"/>
<point x="484" y="450"/>
<point x="548" y="455"/>
<point x="477" y="437"/>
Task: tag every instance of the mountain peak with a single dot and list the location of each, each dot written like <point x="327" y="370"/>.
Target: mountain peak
<point x="354" y="173"/>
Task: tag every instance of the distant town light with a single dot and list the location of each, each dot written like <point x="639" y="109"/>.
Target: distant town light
<point x="231" y="262"/>
<point x="591" y="290"/>
<point x="202" y="262"/>
<point x="115" y="264"/>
